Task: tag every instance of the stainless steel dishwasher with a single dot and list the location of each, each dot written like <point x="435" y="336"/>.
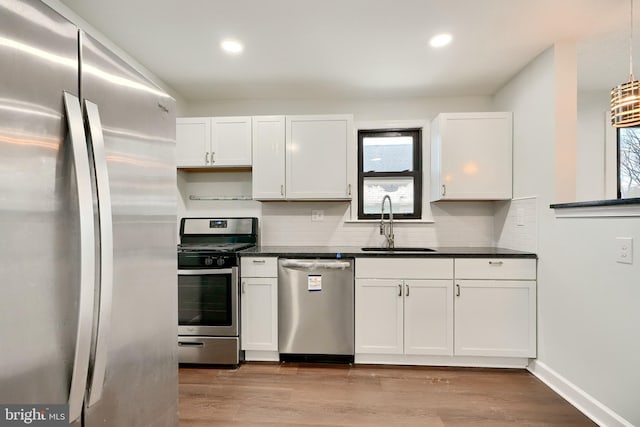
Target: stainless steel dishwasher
<point x="315" y="309"/>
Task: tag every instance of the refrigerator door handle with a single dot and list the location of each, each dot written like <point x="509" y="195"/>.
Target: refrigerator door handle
<point x="76" y="137"/>
<point x="94" y="125"/>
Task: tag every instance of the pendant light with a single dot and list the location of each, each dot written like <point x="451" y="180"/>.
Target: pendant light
<point x="625" y="98"/>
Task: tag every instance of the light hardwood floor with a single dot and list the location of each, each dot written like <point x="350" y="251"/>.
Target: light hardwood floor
<point x="340" y="395"/>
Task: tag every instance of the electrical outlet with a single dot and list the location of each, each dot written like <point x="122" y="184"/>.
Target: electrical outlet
<point x="624" y="250"/>
<point x="317" y="215"/>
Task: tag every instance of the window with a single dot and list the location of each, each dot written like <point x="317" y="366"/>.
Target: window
<point x="628" y="162"/>
<point x="390" y="163"/>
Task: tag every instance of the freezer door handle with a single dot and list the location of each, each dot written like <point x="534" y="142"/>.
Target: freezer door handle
<point x="96" y="138"/>
<point x="76" y="137"/>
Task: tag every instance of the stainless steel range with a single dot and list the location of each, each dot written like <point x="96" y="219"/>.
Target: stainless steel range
<point x="208" y="306"/>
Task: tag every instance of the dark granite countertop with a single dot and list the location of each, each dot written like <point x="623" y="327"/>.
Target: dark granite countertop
<point x="356" y="251"/>
<point x="597" y="203"/>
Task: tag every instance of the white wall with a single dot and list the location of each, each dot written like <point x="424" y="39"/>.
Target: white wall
<point x="592" y="114"/>
<point x="588" y="305"/>
<point x="362" y="109"/>
<point x="289" y="223"/>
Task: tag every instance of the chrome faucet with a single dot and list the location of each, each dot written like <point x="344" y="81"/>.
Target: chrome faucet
<point x="384" y="230"/>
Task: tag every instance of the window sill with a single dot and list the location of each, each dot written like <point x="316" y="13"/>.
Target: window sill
<point x="598" y="208"/>
<point x="395" y="221"/>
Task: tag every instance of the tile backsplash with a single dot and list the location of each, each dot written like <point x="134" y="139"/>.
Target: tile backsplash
<point x="516" y="224"/>
<point x="455" y="224"/>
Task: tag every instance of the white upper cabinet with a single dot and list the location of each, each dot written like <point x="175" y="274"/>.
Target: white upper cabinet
<point x="213" y="142"/>
<point x="316" y="156"/>
<point x="302" y="157"/>
<point x="193" y="141"/>
<point x="268" y="173"/>
<point x="471" y="156"/>
<point x="231" y="141"/>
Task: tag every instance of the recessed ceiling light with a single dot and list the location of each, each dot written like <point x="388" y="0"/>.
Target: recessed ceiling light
<point x="232" y="46"/>
<point x="440" y="40"/>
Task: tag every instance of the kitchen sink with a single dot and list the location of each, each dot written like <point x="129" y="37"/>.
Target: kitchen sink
<point x="400" y="249"/>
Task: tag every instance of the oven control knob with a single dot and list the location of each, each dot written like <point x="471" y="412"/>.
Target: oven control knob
<point x="208" y="261"/>
<point x="220" y="261"/>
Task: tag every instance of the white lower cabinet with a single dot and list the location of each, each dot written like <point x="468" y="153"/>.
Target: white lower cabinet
<point x="428" y="317"/>
<point x="404" y="316"/>
<point x="423" y="311"/>
<point x="259" y="308"/>
<point x="495" y="306"/>
<point x="495" y="318"/>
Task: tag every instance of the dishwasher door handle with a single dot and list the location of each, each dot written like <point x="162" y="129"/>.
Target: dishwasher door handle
<point x="332" y="265"/>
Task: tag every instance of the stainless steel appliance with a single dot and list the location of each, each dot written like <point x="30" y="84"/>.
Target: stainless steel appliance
<point x="316" y="309"/>
<point x="208" y="306"/>
<point x="87" y="217"/>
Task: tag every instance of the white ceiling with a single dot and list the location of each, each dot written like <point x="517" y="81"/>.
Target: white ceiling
<point x="355" y="48"/>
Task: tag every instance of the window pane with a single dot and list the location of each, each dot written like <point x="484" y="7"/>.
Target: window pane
<point x="387" y="154"/>
<point x="629" y="152"/>
<point x="400" y="190"/>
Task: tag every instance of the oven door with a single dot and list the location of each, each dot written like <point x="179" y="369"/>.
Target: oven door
<point x="208" y="302"/>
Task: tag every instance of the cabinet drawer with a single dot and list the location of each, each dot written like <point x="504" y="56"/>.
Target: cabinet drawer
<point x="495" y="268"/>
<point x="404" y="268"/>
<point x="259" y="266"/>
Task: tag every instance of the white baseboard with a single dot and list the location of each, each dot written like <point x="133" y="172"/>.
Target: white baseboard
<point x="461" y="361"/>
<point x="584" y="402"/>
<point x="261" y="356"/>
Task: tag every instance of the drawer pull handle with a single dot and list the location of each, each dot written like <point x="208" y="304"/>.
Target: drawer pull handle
<point x="457" y="290"/>
<point x="496" y="262"/>
<point x="259" y="261"/>
<point x="399" y="290"/>
<point x="190" y="344"/>
<point x="407" y="290"/>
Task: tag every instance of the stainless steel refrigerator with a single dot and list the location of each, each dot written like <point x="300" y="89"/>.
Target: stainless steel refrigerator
<point x="88" y="285"/>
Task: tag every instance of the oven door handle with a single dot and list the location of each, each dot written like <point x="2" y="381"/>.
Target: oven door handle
<point x="205" y="271"/>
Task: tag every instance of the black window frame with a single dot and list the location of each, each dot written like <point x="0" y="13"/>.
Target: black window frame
<point x="618" y="189"/>
<point x="416" y="173"/>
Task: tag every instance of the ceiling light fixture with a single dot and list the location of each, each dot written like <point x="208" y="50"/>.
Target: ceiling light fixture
<point x="625" y="98"/>
<point x="440" y="40"/>
<point x="232" y="46"/>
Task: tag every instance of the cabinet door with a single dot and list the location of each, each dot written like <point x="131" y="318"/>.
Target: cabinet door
<point x="471" y="153"/>
<point x="316" y="159"/>
<point x="379" y="317"/>
<point x="231" y="141"/>
<point x="259" y="306"/>
<point x="268" y="158"/>
<point x="428" y="317"/>
<point x="193" y="140"/>
<point x="495" y="318"/>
